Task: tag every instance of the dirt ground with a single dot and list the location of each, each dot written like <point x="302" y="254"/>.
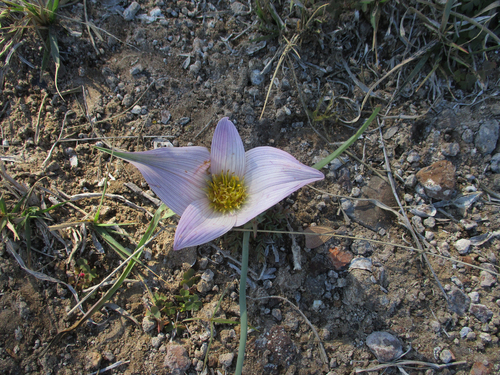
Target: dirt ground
<point x="168" y="75"/>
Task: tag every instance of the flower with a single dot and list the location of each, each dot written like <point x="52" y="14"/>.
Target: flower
<point x="214" y="191"/>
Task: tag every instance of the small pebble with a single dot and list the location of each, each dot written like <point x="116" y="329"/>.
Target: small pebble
<point x="474" y="297"/>
<point x="385" y="346"/>
<point x="464" y="332"/>
<point x="446" y="356"/>
<point x="462" y="246"/>
<point x="413" y="157"/>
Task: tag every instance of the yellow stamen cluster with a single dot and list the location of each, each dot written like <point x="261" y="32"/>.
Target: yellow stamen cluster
<point x="226" y="192"/>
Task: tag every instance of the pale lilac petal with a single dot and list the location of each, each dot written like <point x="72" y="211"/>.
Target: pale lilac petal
<point x="200" y="223"/>
<point x="228" y="153"/>
<point x="177" y="175"/>
<point x="270" y="176"/>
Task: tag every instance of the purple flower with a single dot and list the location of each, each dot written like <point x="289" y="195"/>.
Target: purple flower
<point x="214" y="191"/>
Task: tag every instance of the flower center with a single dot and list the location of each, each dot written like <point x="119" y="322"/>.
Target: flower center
<point x="226" y="192"/>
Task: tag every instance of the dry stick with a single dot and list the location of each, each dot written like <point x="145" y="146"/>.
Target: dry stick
<point x="322" y="352"/>
<point x="410" y="363"/>
<point x="88" y="27"/>
<point x="334" y="234"/>
<point x="401" y="64"/>
<point x="202" y="130"/>
<point x="117" y="137"/>
<point x="405" y="217"/>
<point x="44" y="164"/>
<point x="37" y="127"/>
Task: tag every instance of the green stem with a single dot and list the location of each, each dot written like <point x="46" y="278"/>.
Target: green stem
<point x="347" y="143"/>
<point x="243" y="303"/>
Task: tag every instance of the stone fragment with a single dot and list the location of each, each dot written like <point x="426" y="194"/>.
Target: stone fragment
<point x="438" y="179"/>
<point x="238" y="8"/>
<point x="450" y="149"/>
<point x="495" y="163"/>
<point x="413" y="157"/>
<point x="92" y="360"/>
<point x="464" y="332"/>
<point x="487" y="279"/>
<point x="485" y="337"/>
<point x="446" y="356"/>
<point x="487" y="136"/>
<point x="128" y="100"/>
<point x="385" y="346"/>
<point x="281" y="346"/>
<point x="468" y="136"/>
<point x="148" y="324"/>
<point x="136" y="110"/>
<point x="226" y="359"/>
<point x="458" y="301"/>
<point x="481" y="312"/>
<point x="480" y="368"/>
<point x="177" y="359"/>
<point x="136" y="69"/>
<point x="131" y="11"/>
<point x="462" y="246"/>
<point x="362" y="247"/>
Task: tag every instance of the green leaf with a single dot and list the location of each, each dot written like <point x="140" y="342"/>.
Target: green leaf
<point x="347" y="143"/>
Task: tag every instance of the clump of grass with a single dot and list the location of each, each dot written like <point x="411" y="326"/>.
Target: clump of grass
<point x="21" y="16"/>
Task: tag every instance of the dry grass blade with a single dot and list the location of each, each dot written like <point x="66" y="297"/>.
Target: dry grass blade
<point x="38" y="275"/>
<point x="409" y="363"/>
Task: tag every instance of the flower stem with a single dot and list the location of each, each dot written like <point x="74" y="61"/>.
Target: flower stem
<point x="243" y="303"/>
<point x="347" y="143"/>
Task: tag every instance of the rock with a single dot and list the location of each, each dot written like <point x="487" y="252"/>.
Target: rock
<point x="92" y="360"/>
<point x="464" y="332"/>
<point x="281" y="346"/>
<point x="256" y="78"/>
<point x="148" y="324"/>
<point x="136" y="110"/>
<point x="417" y="224"/>
<point x="471" y="336"/>
<point x="156" y="341"/>
<point x="487" y="279"/>
<point x="367" y="213"/>
<point x="136" y="69"/>
<point x="446" y="356"/>
<point x="487" y="136"/>
<point x="128" y="100"/>
<point x="450" y="149"/>
<point x="468" y="136"/>
<point x="458" y="301"/>
<point x="485" y="337"/>
<point x="481" y="368"/>
<point x="24" y="310"/>
<point x="238" y="8"/>
<point x="430" y="222"/>
<point x="362" y="247"/>
<point x="177" y="359"/>
<point x="385" y="346"/>
<point x="195" y="68"/>
<point x="411" y="181"/>
<point x="226" y="359"/>
<point x="131" y="11"/>
<point x="462" y="246"/>
<point x="438" y="179"/>
<point x="184" y="121"/>
<point x="474" y="297"/>
<point x="495" y="163"/>
<point x="413" y="157"/>
<point x="481" y="312"/>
